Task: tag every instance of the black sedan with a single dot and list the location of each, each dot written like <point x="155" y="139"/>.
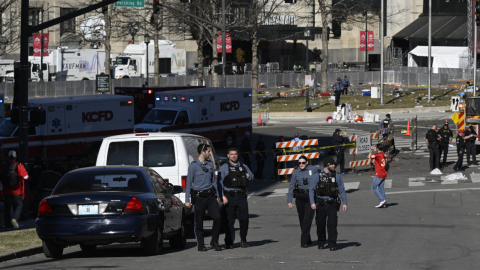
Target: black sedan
<point x="112" y="204"/>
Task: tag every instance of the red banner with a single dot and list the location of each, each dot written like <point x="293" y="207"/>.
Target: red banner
<point x="45" y="44"/>
<point x="37" y="44"/>
<point x="371" y="41"/>
<point x="228" y="40"/>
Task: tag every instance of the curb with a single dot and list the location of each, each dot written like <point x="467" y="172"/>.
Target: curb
<point x="19" y="253"/>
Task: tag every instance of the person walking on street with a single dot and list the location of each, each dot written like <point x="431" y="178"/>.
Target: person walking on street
<point x="460" y="149"/>
<point x="432" y="138"/>
<point x="338" y="139"/>
<point x="13" y="181"/>
<point x="298" y="189"/>
<point x="234" y="179"/>
<point x="346" y="84"/>
<point x="260" y="149"/>
<point x="385" y="124"/>
<point x="202" y="186"/>
<point x="470" y="145"/>
<point x="378" y="184"/>
<point x="246" y="149"/>
<point x="325" y="193"/>
<point x="277" y="152"/>
<point x="337" y="89"/>
<point x="447" y="135"/>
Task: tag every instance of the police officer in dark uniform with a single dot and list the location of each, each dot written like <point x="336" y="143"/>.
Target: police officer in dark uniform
<point x="337" y="89"/>
<point x="324" y="195"/>
<point x="470" y="146"/>
<point x="338" y="139"/>
<point x="460" y="150"/>
<point x="447" y="135"/>
<point x="385" y="124"/>
<point x="298" y="189"/>
<point x="234" y="179"/>
<point x="432" y="138"/>
<point x="202" y="186"/>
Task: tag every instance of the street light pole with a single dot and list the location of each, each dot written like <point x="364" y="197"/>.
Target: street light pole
<point x="146" y="39"/>
<point x="307" y="91"/>
<point x="429" y="49"/>
<point x="366" y="40"/>
<point x="40" y="72"/>
<point x="224" y="44"/>
<point x="382" y="35"/>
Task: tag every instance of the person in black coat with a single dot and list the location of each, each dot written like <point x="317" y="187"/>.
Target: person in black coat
<point x="246" y="149"/>
<point x="338" y="139"/>
<point x="470" y="145"/>
<point x="260" y="149"/>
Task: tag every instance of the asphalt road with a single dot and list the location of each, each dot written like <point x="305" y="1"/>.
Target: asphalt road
<point x="430" y="223"/>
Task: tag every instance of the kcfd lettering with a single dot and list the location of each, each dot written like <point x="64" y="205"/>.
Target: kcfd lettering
<point x="228" y="106"/>
<point x="97" y="116"/>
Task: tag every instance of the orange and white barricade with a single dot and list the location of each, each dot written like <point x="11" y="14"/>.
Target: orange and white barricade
<point x="293" y="157"/>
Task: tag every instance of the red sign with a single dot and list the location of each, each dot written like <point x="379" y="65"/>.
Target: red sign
<point x="37" y="44"/>
<point x="45" y="44"/>
<point x="371" y="41"/>
<point x="228" y="40"/>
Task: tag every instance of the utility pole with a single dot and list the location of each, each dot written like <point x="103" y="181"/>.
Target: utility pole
<point x="382" y="34"/>
<point x="40" y="73"/>
<point x="429" y="49"/>
<point x="224" y="44"/>
<point x="21" y="89"/>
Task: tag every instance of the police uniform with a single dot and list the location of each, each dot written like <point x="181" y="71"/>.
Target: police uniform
<point x="470" y="145"/>
<point x="324" y="192"/>
<point x="432" y="138"/>
<point x="337" y="89"/>
<point x="446" y="134"/>
<point x="201" y="184"/>
<point x="298" y="188"/>
<point x="460" y="152"/>
<point x="338" y="140"/>
<point x="385" y="124"/>
<point x="234" y="181"/>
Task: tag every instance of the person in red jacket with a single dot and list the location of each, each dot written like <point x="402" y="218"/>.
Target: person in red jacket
<point x="14" y="196"/>
<point x="381" y="160"/>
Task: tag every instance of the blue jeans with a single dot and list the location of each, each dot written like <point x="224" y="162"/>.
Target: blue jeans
<point x="377" y="187"/>
<point x="15" y="202"/>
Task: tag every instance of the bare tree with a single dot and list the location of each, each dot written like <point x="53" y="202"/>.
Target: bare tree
<point x="9" y="26"/>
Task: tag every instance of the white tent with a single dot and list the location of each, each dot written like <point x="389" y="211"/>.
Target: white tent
<point x="442" y="57"/>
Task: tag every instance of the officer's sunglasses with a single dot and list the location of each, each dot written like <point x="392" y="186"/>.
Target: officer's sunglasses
<point x="302" y="162"/>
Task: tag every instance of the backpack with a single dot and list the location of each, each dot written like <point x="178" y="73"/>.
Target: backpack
<point x="10" y="175"/>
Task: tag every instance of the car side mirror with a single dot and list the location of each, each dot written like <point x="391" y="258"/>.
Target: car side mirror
<point x="177" y="189"/>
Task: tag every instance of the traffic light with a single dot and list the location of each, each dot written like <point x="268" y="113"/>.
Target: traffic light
<point x="38" y="116"/>
<point x="156" y="6"/>
<point x="105" y="9"/>
<point x="477" y="12"/>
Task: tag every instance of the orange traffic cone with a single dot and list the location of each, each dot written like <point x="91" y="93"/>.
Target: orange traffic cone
<point x="259" y="122"/>
<point x="408" y="130"/>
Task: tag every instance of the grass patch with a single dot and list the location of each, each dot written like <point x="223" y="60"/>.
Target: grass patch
<point x="404" y="99"/>
<point x="19" y="239"/>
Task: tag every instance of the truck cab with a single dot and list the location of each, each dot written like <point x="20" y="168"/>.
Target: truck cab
<point x="125" y="67"/>
<point x="158" y="119"/>
<point x="34" y="72"/>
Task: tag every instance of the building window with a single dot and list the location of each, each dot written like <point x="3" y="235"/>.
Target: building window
<point x="33" y="16"/>
<point x="67" y="26"/>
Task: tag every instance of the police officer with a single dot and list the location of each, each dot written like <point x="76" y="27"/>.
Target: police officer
<point x="337" y="89"/>
<point x="383" y="125"/>
<point x="470" y="146"/>
<point x="234" y="179"/>
<point x="201" y="184"/>
<point x="432" y="138"/>
<point x="447" y="136"/>
<point x="324" y="195"/>
<point x="460" y="150"/>
<point x="346" y="84"/>
<point x="299" y="184"/>
<point x="338" y="139"/>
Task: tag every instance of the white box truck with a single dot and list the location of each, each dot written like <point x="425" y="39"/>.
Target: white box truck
<point x="220" y="114"/>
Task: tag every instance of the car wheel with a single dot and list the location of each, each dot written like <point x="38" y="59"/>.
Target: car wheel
<point x="52" y="250"/>
<point x="230" y="139"/>
<point x="86" y="247"/>
<point x="180" y="239"/>
<point x="189" y="226"/>
<point x="154" y="244"/>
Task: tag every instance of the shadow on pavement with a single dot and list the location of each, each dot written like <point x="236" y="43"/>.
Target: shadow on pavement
<point x="261" y="243"/>
<point x="349" y="244"/>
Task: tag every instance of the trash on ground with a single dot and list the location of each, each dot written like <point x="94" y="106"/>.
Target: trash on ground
<point x="455" y="176"/>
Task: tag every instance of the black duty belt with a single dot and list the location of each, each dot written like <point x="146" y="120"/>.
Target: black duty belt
<point x="323" y="201"/>
<point x="206" y="193"/>
<point x="304" y="191"/>
<point x="233" y="192"/>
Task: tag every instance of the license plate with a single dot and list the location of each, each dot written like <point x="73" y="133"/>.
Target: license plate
<point x="88" y="209"/>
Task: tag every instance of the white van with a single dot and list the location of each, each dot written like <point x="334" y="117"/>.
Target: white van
<point x="169" y="154"/>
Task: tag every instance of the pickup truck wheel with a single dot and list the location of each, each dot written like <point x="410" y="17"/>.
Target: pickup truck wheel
<point x="52" y="250"/>
<point x="180" y="239"/>
<point x="125" y="77"/>
<point x="154" y="244"/>
<point x="86" y="247"/>
<point x="230" y="139"/>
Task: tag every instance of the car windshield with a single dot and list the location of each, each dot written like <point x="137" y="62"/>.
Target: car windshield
<point x="120" y="61"/>
<point x="100" y="180"/>
<point x="160" y="117"/>
<point x="7" y="128"/>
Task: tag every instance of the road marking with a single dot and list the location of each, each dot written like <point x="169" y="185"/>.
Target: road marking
<point x="388" y="183"/>
<point x="475" y="178"/>
<point x="250" y="194"/>
<point x="431" y="190"/>
<point x="448" y="182"/>
<point x="351" y="185"/>
<point x="415" y="182"/>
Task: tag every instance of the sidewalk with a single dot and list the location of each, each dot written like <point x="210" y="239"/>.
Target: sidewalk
<point x="398" y="114"/>
<point x="24" y="225"/>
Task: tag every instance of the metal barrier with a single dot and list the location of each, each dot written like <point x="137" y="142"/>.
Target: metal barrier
<point x="261" y="113"/>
